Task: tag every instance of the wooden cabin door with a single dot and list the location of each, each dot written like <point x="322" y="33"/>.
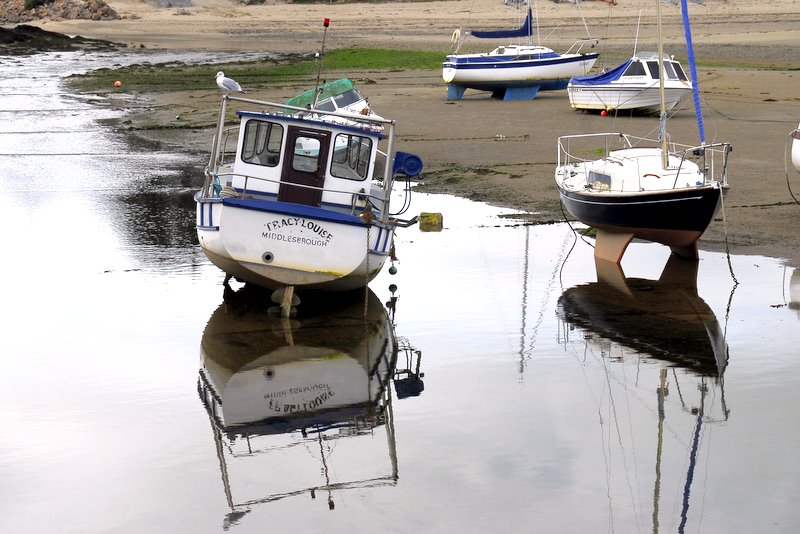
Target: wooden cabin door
<point x="304" y="166"/>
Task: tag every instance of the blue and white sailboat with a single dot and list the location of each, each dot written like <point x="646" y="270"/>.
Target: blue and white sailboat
<point x="515" y="71"/>
<point x="643" y="188"/>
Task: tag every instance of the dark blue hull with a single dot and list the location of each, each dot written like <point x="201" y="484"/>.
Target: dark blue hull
<point x="676" y="218"/>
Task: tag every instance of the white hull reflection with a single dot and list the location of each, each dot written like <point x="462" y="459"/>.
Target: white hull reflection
<point x="282" y="394"/>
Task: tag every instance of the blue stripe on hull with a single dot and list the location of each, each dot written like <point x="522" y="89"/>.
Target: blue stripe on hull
<point x="510" y="62"/>
<point x="300" y="210"/>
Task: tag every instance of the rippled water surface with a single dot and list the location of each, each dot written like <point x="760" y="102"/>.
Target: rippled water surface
<point x="525" y="396"/>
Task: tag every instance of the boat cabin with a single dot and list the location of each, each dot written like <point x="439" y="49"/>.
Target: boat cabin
<point x="303" y="161"/>
<point x="648" y="66"/>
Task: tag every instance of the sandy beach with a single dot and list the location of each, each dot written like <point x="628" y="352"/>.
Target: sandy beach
<point x="504" y="152"/>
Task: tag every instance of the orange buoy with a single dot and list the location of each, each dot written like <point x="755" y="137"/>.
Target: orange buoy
<point x="603" y="113"/>
<point x="118" y="84"/>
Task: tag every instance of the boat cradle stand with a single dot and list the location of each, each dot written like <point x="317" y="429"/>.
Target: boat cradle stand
<point x="529" y="92"/>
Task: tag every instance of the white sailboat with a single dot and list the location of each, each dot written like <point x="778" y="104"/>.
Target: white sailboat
<point x="650" y="189"/>
<point x="515" y="71"/>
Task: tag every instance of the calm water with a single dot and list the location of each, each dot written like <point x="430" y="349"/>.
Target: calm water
<point x="526" y="397"/>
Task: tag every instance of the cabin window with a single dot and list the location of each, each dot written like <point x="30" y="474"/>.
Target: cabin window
<point x="262" y="143"/>
<point x="671" y="75"/>
<point x="635" y="69"/>
<point x="679" y="71"/>
<point x="351" y="154"/>
<point x="345" y="99"/>
<point x="326" y="105"/>
<point x="654" y="70"/>
<point x="306" y="154"/>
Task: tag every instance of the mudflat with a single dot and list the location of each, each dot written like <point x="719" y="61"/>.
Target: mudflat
<point x="504" y="153"/>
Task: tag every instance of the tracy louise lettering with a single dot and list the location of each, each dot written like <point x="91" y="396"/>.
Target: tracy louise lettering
<point x="302" y="223"/>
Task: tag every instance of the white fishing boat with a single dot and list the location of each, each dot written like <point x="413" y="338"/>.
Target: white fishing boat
<point x="515" y="71"/>
<point x="338" y="96"/>
<point x="650" y="189"/>
<point x="633" y="85"/>
<point x="292" y="199"/>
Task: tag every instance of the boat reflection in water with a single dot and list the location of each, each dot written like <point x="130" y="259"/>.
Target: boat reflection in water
<point x="283" y="394"/>
<point x="664" y="319"/>
<point x="664" y="335"/>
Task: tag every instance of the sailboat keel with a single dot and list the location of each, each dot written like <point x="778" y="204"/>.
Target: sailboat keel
<point x="611" y="246"/>
<point x="689" y="251"/>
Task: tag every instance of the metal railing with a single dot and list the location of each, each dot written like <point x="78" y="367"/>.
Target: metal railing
<point x="219" y="147"/>
<point x="712" y="159"/>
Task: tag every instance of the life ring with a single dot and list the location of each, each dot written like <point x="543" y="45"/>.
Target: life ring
<point x="456" y="35"/>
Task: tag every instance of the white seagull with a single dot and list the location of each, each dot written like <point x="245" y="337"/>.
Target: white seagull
<point x="227" y="84"/>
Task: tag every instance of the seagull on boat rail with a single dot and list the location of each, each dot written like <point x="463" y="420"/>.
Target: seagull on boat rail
<point x="228" y="85"/>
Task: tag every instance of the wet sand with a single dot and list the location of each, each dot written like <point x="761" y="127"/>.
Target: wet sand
<point x="504" y="152"/>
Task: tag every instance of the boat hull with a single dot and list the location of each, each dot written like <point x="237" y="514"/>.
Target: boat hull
<point x="275" y="244"/>
<point x="493" y="73"/>
<point x="796" y="149"/>
<point x="625" y="97"/>
<point x="675" y="217"/>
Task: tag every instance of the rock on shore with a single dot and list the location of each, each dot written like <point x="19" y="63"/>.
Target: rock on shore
<point x="24" y="39"/>
<point x="13" y="11"/>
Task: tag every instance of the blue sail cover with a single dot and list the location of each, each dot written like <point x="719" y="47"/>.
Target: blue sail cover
<point x="525" y="30"/>
<point x="602" y="78"/>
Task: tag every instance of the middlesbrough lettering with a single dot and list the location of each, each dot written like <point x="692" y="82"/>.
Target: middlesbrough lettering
<point x="320" y="238"/>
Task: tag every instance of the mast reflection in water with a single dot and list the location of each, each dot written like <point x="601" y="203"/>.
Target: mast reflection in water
<point x="284" y="394"/>
<point x="665" y="323"/>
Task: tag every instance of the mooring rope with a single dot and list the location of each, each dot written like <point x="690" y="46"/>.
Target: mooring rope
<point x="727" y="245"/>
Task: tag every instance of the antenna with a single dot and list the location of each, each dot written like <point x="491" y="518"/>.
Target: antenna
<point x="320" y="54"/>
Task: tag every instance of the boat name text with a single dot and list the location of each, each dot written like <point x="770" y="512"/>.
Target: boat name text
<point x="279" y="403"/>
<point x="297" y="222"/>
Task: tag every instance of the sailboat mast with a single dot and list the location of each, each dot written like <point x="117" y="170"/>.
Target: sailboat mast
<point x="662" y="119"/>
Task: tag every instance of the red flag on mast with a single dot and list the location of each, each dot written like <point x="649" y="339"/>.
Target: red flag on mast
<point x="326" y="22"/>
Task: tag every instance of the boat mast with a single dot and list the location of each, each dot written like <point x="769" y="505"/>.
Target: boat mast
<point x="320" y="54"/>
<point x="662" y="118"/>
<point x="687" y="30"/>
